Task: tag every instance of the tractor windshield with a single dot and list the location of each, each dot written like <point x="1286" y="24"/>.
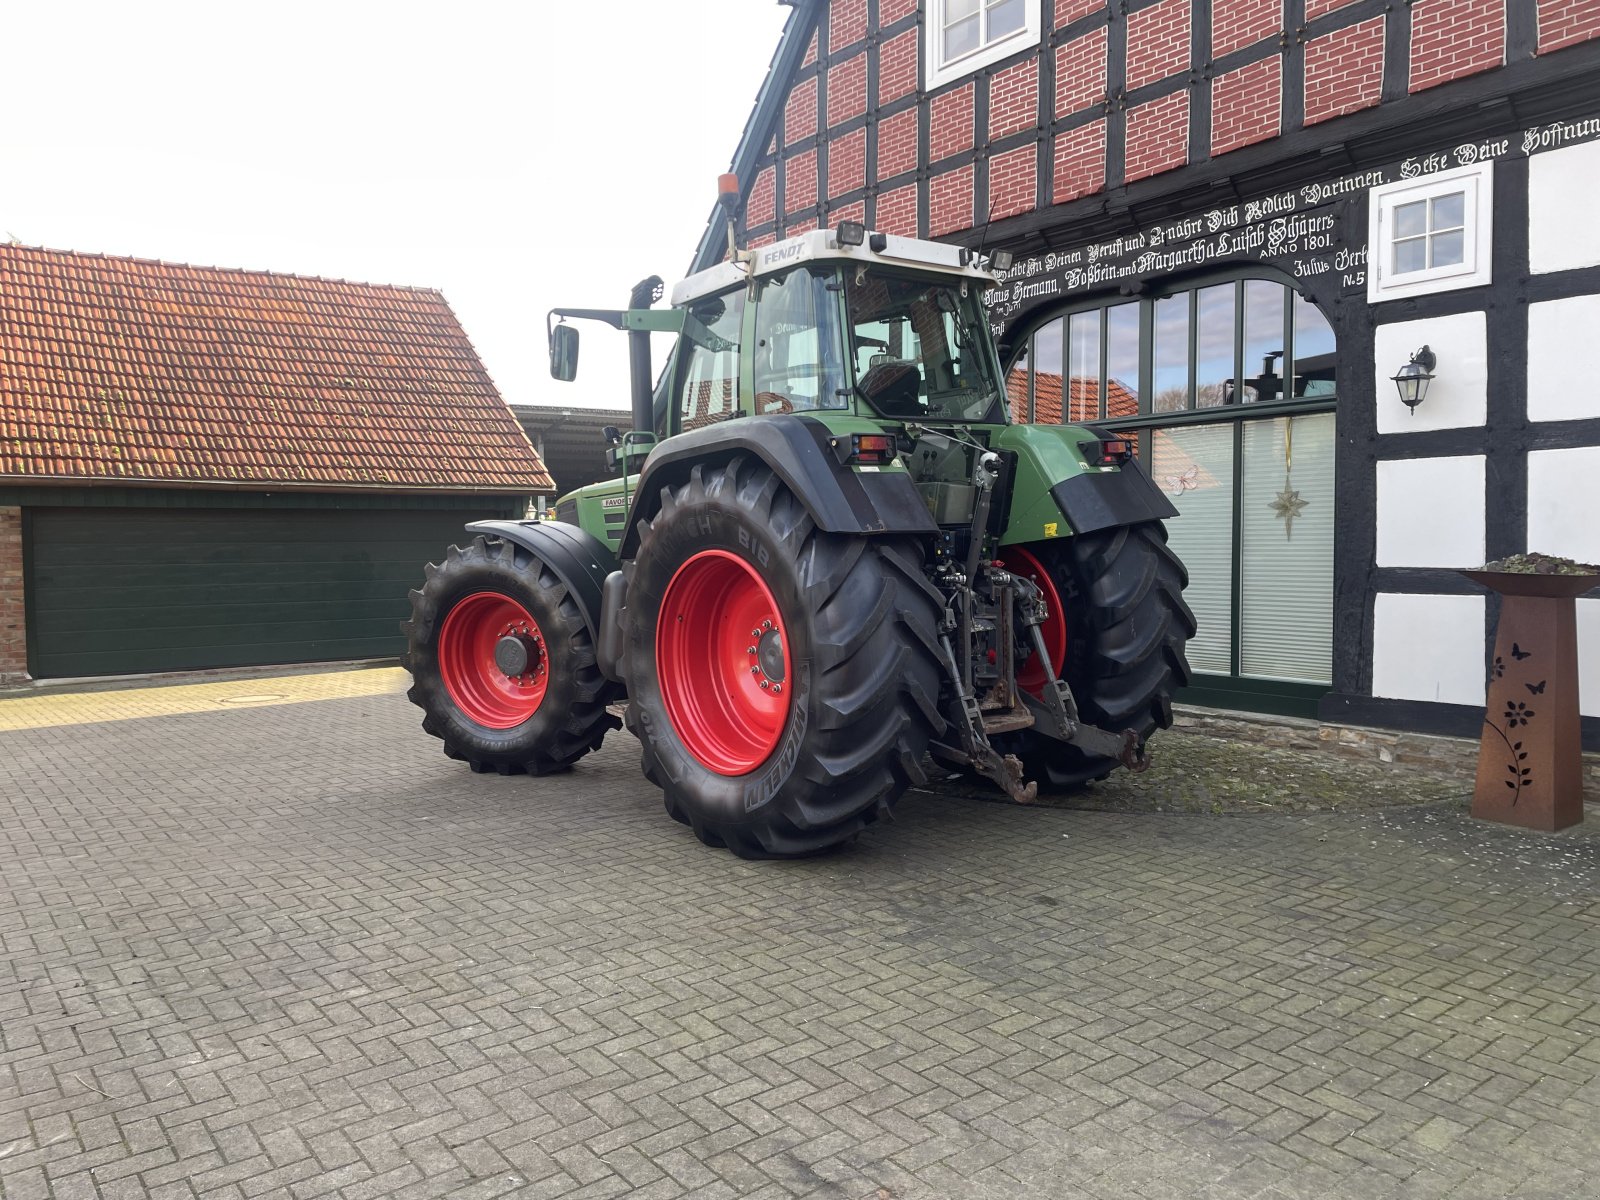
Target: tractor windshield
<point x="920" y="348"/>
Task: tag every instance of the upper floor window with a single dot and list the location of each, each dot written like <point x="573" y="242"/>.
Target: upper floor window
<point x="964" y="35"/>
<point x="1430" y="234"/>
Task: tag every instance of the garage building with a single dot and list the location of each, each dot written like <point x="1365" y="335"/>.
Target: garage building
<point x="211" y="468"/>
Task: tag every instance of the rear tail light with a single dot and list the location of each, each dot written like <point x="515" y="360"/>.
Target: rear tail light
<point x="871" y="449"/>
<point x="1107" y="452"/>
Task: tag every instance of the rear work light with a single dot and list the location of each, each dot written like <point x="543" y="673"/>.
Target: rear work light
<point x="850" y="233"/>
<point x="872" y="449"/>
<point x="1107" y="452"/>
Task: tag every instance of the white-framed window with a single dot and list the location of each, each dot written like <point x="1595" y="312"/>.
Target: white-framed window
<point x="1430" y="234"/>
<point x="963" y="35"/>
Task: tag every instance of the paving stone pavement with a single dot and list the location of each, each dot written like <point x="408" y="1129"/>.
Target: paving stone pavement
<point x="294" y="951"/>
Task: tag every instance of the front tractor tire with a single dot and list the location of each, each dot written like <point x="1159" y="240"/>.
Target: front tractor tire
<point x="783" y="681"/>
<point x="1118" y="641"/>
<point x="502" y="664"/>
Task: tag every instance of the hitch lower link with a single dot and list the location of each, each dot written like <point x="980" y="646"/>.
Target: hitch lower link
<point x="1058" y="711"/>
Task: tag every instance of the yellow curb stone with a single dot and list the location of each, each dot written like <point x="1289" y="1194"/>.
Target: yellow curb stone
<point x="84" y="708"/>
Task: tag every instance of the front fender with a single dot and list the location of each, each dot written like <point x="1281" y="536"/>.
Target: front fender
<point x="580" y="560"/>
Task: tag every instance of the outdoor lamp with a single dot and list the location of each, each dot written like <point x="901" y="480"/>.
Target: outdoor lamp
<point x="1413" y="378"/>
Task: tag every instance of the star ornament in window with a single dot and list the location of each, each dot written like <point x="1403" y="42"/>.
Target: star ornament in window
<point x="1288" y="505"/>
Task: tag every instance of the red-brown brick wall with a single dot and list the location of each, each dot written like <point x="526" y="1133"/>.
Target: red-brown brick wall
<point x="1080" y="162"/>
<point x="847" y="89"/>
<point x="1158" y="136"/>
<point x="847" y="163"/>
<point x="1566" y="22"/>
<point x="1013" y="182"/>
<point x="13" y="631"/>
<point x="897" y="144"/>
<point x="800" y="182"/>
<point x="950" y="123"/>
<point x="811" y="52"/>
<point x="1014" y="99"/>
<point x="1081" y="73"/>
<point x="800" y="112"/>
<point x="1315" y="8"/>
<point x="950" y="202"/>
<point x="1453" y="38"/>
<point x="856" y="210"/>
<point x="1344" y="70"/>
<point x="760" y="207"/>
<point x="897" y="211"/>
<point x="847" y="23"/>
<point x="890" y="11"/>
<point x="1158" y="42"/>
<point x="1246" y="104"/>
<point x="1071" y="10"/>
<point x="897" y="67"/>
<point x="1240" y="23"/>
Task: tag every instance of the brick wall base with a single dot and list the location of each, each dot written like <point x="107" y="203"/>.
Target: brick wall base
<point x="1454" y="758"/>
<point x="13" y="630"/>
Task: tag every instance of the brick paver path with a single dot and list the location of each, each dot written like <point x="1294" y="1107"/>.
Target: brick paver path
<point x="293" y="950"/>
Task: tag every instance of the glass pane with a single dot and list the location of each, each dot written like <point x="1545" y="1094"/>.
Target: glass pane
<point x="1213" y="365"/>
<point x="1450" y="212"/>
<point x="1005" y="16"/>
<point x="1017" y="381"/>
<point x="1047" y="374"/>
<point x="1084" y="368"/>
<point x="709" y="387"/>
<point x="797" y="361"/>
<point x="956" y="10"/>
<point x="1315" y="366"/>
<point x="960" y="38"/>
<point x="1263" y="339"/>
<point x="1410" y="255"/>
<point x="1122" y="361"/>
<point x="1286" y="550"/>
<point x="1411" y="220"/>
<point x="1170" y="383"/>
<point x="1193" y="465"/>
<point x="1448" y="249"/>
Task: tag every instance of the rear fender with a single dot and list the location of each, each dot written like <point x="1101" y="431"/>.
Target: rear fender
<point x="800" y="452"/>
<point x="1057" y="493"/>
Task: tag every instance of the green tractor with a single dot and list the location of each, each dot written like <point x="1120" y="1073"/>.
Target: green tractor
<point x="827" y="561"/>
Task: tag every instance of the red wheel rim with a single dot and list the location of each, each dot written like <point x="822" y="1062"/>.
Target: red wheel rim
<point x="722" y="657"/>
<point x="472" y="632"/>
<point x="1031" y="677"/>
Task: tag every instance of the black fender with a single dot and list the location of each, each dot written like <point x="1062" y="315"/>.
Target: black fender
<point x="580" y="560"/>
<point x="798" y="451"/>
<point x="1097" y="500"/>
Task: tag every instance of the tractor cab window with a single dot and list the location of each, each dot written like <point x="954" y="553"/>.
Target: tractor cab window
<point x="708" y="361"/>
<point x="798" y="365"/>
<point x="918" y="348"/>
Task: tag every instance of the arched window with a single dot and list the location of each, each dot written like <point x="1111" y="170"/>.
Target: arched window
<point x="1227" y="386"/>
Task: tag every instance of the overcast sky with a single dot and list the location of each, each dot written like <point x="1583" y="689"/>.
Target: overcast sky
<point x="516" y="156"/>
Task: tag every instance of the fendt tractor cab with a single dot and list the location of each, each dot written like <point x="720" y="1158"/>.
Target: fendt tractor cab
<point x="827" y="554"/>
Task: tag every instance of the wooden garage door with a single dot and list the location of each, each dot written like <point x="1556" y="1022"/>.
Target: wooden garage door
<point x="116" y="591"/>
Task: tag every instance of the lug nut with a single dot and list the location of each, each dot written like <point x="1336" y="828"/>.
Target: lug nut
<point x="776" y="688"/>
<point x="765" y="685"/>
<point x="755" y="633"/>
<point x="750" y="650"/>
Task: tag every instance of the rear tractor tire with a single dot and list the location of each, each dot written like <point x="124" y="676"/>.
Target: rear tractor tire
<point x="502" y="664"/>
<point x="1118" y="642"/>
<point x="783" y="681"/>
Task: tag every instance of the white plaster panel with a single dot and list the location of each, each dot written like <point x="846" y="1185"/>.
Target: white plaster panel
<point x="1564" y="502"/>
<point x="1589" y="657"/>
<point x="1428" y="648"/>
<point x="1562" y="231"/>
<point x="1430" y="512"/>
<point x="1562" y="382"/>
<point x="1459" y="394"/>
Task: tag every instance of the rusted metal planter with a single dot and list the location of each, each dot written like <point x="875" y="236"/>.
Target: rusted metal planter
<point x="1530" y="755"/>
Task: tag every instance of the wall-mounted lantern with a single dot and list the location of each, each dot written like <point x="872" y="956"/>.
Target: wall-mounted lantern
<point x="1413" y="378"/>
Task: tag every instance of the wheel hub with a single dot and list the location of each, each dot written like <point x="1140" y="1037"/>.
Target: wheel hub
<point x="518" y="653"/>
<point x="769" y="654"/>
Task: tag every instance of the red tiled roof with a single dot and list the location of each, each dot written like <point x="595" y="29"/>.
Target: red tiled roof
<point x="1083" y="398"/>
<point x="130" y="371"/>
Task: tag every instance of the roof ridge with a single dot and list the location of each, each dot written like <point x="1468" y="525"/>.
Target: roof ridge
<point x="190" y="266"/>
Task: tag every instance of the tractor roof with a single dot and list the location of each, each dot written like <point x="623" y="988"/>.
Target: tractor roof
<point x="822" y="245"/>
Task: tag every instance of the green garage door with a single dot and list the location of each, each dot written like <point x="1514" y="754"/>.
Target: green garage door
<point x="114" y="591"/>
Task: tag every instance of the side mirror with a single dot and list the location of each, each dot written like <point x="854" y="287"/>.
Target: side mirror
<point x="612" y="435"/>
<point x="564" y="353"/>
